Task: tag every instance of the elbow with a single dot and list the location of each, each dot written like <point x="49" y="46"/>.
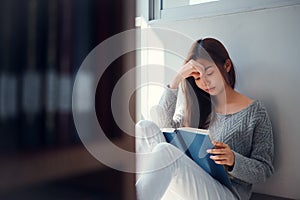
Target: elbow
<point x="263" y="173"/>
<point x="158" y="116"/>
<point x="270" y="171"/>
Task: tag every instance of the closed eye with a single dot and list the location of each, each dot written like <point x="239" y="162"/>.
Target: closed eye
<point x="197" y="78"/>
<point x="209" y="72"/>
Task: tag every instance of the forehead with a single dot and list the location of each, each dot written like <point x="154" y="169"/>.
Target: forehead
<point x="205" y="62"/>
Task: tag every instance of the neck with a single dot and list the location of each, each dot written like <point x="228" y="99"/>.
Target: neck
<point x="227" y="96"/>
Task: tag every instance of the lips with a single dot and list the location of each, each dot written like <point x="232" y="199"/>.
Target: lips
<point x="209" y="89"/>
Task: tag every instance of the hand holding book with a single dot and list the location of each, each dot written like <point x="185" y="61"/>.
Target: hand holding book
<point x="222" y="154"/>
<point x="195" y="143"/>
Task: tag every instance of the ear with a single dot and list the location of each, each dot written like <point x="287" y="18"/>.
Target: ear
<point x="227" y="65"/>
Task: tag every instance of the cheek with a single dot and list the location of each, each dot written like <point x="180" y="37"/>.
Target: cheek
<point x="217" y="79"/>
<point x="218" y="82"/>
<point x="220" y="85"/>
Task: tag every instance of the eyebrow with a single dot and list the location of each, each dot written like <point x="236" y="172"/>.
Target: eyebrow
<point x="206" y="68"/>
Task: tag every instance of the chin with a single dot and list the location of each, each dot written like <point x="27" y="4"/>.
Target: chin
<point x="212" y="93"/>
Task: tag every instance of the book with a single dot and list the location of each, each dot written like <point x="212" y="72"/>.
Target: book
<point x="194" y="143"/>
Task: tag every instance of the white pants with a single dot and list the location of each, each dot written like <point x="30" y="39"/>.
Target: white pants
<point x="164" y="172"/>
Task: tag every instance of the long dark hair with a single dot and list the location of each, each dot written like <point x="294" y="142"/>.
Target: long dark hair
<point x="198" y="106"/>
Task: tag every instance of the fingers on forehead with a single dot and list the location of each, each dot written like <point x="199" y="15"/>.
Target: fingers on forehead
<point x="195" y="63"/>
<point x="195" y="74"/>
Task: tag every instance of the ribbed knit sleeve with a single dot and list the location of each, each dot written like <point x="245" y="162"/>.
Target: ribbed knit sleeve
<point x="258" y="166"/>
<point x="163" y="114"/>
<point x="249" y="135"/>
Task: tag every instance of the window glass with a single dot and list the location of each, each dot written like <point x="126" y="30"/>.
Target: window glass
<point x="166" y="4"/>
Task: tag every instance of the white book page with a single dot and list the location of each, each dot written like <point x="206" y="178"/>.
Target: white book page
<point x="195" y="130"/>
<point x="168" y="130"/>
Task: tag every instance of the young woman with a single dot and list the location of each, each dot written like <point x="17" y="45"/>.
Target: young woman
<point x="240" y="128"/>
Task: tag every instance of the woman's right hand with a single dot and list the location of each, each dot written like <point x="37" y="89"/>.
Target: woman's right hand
<point x="191" y="68"/>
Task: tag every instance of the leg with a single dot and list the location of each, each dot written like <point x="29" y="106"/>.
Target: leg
<point x="182" y="179"/>
<point x="147" y="136"/>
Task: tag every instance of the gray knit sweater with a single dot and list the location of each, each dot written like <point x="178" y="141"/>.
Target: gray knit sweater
<point x="247" y="132"/>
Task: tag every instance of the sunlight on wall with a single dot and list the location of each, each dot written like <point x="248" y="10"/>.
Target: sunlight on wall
<point x="157" y="64"/>
<point x="148" y="91"/>
<point x="151" y="92"/>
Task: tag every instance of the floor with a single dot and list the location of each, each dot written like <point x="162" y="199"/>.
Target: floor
<point x="93" y="186"/>
<point x="256" y="196"/>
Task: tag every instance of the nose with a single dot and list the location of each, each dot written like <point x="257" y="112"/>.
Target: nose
<point x="204" y="81"/>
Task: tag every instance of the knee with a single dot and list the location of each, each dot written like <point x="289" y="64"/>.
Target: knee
<point x="166" y="155"/>
<point x="163" y="146"/>
<point x="146" y="128"/>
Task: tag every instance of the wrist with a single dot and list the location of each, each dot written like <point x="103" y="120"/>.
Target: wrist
<point x="171" y="86"/>
<point x="175" y="83"/>
<point x="230" y="167"/>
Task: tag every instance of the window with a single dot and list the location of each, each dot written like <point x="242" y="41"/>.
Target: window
<point x="166" y="4"/>
<point x="187" y="9"/>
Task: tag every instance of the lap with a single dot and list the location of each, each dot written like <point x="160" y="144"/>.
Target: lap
<point x="188" y="180"/>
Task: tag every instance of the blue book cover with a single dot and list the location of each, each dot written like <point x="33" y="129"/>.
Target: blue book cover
<point x="194" y="142"/>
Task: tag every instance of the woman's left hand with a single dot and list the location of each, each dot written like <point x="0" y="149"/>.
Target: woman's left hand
<point x="222" y="154"/>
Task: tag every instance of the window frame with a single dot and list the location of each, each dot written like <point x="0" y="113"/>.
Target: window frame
<point x="210" y="9"/>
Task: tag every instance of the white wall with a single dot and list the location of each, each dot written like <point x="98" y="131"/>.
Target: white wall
<point x="265" y="48"/>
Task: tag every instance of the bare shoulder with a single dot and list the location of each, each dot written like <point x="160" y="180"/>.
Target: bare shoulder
<point x="244" y="101"/>
<point x="239" y="102"/>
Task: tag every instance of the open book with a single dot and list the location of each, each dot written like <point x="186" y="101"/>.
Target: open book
<point x="194" y="142"/>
